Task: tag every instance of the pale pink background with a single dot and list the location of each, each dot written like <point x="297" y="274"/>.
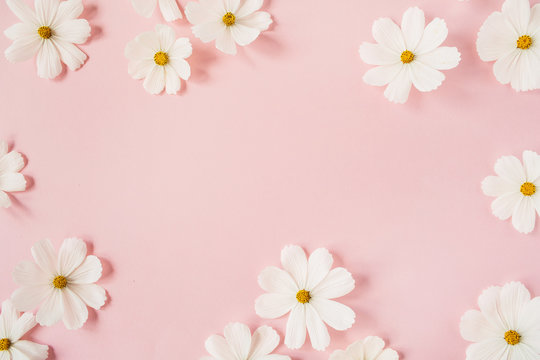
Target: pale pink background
<point x="186" y="198"/>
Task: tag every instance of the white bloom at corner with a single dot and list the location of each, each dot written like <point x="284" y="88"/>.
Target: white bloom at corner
<point x="159" y="58"/>
<point x="228" y="22"/>
<point x="50" y="32"/>
<point x="304" y="288"/>
<point x="515" y="188"/>
<point x="371" y="348"/>
<point x="507" y="327"/>
<point x="62" y="286"/>
<point x="239" y="344"/>
<point x="12" y="329"/>
<point x="412" y="55"/>
<point x="169" y="8"/>
<point x="511" y="39"/>
<point x="10" y="179"/>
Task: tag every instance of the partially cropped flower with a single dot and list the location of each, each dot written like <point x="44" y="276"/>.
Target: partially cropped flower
<point x="239" y="344"/>
<point x="511" y="38"/>
<point x="305" y="289"/>
<point x="169" y="8"/>
<point x="50" y="32"/>
<point x="371" y="348"/>
<point x="516" y="190"/>
<point x="10" y="178"/>
<point x="159" y="58"/>
<point x="228" y="22"/>
<point x="412" y="55"/>
<point x="61" y="285"/>
<point x="507" y="327"/>
<point x="12" y="328"/>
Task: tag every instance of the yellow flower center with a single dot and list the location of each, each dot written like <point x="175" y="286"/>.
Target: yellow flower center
<point x="524" y="42"/>
<point x="528" y="189"/>
<point x="161" y="58"/>
<point x="45" y="32"/>
<point x="60" y="282"/>
<point x="407" y="57"/>
<point x="512" y="337"/>
<point x="4" y="344"/>
<point x="303" y="296"/>
<point x="229" y="19"/>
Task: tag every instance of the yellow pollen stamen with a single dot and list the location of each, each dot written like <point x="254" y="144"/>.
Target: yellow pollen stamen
<point x="528" y="189"/>
<point x="45" y="32"/>
<point x="303" y="296"/>
<point x="161" y="58"/>
<point x="524" y="42"/>
<point x="407" y="57"/>
<point x="60" y="282"/>
<point x="512" y="337"/>
<point x="229" y="19"/>
<point x="5" y="344"/>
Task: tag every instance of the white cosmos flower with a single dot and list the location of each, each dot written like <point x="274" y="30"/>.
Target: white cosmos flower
<point x="63" y="284"/>
<point x="511" y="39"/>
<point x="239" y="344"/>
<point x="304" y="288"/>
<point x="507" y="327"/>
<point x="159" y="58"/>
<point x="408" y="56"/>
<point x="50" y="32"/>
<point x="371" y="348"/>
<point x="10" y="178"/>
<point x="12" y="329"/>
<point x="169" y="8"/>
<point x="515" y="187"/>
<point x="228" y="22"/>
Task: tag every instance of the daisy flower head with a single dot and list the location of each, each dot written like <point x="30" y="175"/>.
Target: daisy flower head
<point x="410" y="55"/>
<point x="159" y="58"/>
<point x="51" y="32"/>
<point x="371" y="348"/>
<point x="515" y="188"/>
<point x="506" y="327"/>
<point x="510" y="38"/>
<point x="304" y="288"/>
<point x="10" y="179"/>
<point x="228" y="22"/>
<point x="169" y="8"/>
<point x="12" y="328"/>
<point x="61" y="285"/>
<point x="240" y="344"/>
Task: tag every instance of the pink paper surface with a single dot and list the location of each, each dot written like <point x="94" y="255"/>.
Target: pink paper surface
<point x="187" y="198"/>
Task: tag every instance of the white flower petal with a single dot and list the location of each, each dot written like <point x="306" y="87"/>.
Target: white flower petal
<point x="294" y="261"/>
<point x="475" y="327"/>
<point x="524" y="76"/>
<point x="337" y="283"/>
<point x="5" y="202"/>
<point x="524" y="352"/>
<point x="52" y="309"/>
<point x="275" y="280"/>
<point x="425" y="78"/>
<point x="244" y="35"/>
<point x="27" y="350"/>
<point x="434" y="35"/>
<point x="248" y="7"/>
<point x="6" y="355"/>
<point x="172" y="80"/>
<point x="494" y="349"/>
<point x="342" y="355"/>
<point x="412" y="25"/>
<point x="69" y="9"/>
<point x="263" y="342"/>
<point x="534" y="23"/>
<point x="8" y="319"/>
<point x="48" y="61"/>
<point x="24" y="324"/>
<point x="514" y="297"/>
<point x="442" y="58"/>
<point x="373" y="346"/>
<point x="508" y="69"/>
<point x="12" y="182"/>
<point x="28" y="273"/>
<point x="144" y="7"/>
<point x="170" y="10"/>
<point x="140" y="69"/>
<point x="503" y="206"/>
<point x="27" y="298"/>
<point x="531" y="164"/>
<point x="3" y="148"/>
<point x="91" y="294"/>
<point x="356" y="349"/>
<point x="72" y="254"/>
<point x="398" y="89"/>
<point x="295" y="335"/>
<point x="259" y="20"/>
<point x="155" y="81"/>
<point x="319" y="265"/>
<point x="46" y="10"/>
<point x="529" y="318"/>
<point x="488" y="302"/>
<point x="388" y="354"/>
<point x="150" y="40"/>
<point x="181" y="49"/>
<point x="166" y="37"/>
<point x="23" y="49"/>
<point x="134" y="50"/>
<point x="196" y="13"/>
<point x="238" y="337"/>
<point x="88" y="272"/>
<point x="225" y="42"/>
<point x="11" y="162"/>
<point x="497" y="186"/>
<point x="231" y="5"/>
<point x="219" y="348"/>
<point x="22" y="11"/>
<point x="382" y="75"/>
<point x="271" y="306"/>
<point x="209" y="31"/>
<point x="524" y="215"/>
<point x="45" y="256"/>
<point x="75" y="310"/>
<point x="336" y="315"/>
<point x="21" y="30"/>
<point x="71" y="55"/>
<point x="318" y="333"/>
<point x="181" y="67"/>
<point x="510" y="169"/>
<point x="518" y="12"/>
<point x="375" y="54"/>
<point x="75" y="31"/>
<point x="496" y="38"/>
<point x="389" y="35"/>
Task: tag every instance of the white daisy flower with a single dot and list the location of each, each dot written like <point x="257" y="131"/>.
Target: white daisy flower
<point x="159" y="58"/>
<point x="510" y="38"/>
<point x="63" y="284"/>
<point x="239" y="344"/>
<point x="408" y="56"/>
<point x="12" y="329"/>
<point x="507" y="327"/>
<point x="169" y="8"/>
<point x="371" y="348"/>
<point x="10" y="179"/>
<point x="515" y="188"/>
<point x="50" y="32"/>
<point x="304" y="289"/>
<point x="228" y="22"/>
